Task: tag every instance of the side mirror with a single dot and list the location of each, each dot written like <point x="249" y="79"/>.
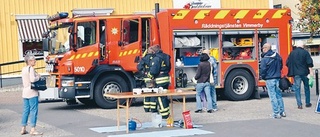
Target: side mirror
<point x="45" y="44"/>
<point x="137" y="59"/>
<point x="120" y="43"/>
<point x="70" y="29"/>
<point x="71" y="41"/>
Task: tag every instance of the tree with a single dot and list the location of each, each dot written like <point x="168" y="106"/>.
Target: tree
<point x="309" y="21"/>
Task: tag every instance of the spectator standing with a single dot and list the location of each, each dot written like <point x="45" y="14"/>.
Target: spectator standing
<point x="214" y="71"/>
<point x="270" y="71"/>
<point x="300" y="65"/>
<point x="203" y="78"/>
<point x="30" y="96"/>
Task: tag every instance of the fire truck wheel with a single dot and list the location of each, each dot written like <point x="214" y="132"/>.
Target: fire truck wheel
<point x="109" y="84"/>
<point x="239" y="85"/>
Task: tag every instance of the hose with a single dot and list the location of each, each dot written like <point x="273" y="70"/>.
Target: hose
<point x="138" y="121"/>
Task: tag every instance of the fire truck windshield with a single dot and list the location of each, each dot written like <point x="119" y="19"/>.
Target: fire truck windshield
<point x="59" y="40"/>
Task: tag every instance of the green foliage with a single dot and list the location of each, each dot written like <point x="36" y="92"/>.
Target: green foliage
<point x="309" y="21"/>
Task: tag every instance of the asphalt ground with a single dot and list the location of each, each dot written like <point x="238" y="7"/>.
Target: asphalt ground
<point x="248" y="118"/>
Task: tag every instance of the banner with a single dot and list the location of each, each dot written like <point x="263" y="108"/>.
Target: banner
<point x="196" y="4"/>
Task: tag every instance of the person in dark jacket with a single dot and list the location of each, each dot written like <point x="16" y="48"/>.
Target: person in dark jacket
<point x="214" y="70"/>
<point x="203" y="83"/>
<point x="270" y="71"/>
<point x="300" y="65"/>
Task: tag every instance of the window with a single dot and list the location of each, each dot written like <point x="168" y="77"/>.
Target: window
<point x="30" y="30"/>
<point x="130" y="31"/>
<point x="102" y="30"/>
<point x="277" y="6"/>
<point x="86" y="33"/>
<point x="34" y="48"/>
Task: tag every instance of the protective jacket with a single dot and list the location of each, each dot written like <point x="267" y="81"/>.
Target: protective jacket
<point x="144" y="64"/>
<point x="160" y="68"/>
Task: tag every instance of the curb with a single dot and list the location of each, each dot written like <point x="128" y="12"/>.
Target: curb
<point x="11" y="88"/>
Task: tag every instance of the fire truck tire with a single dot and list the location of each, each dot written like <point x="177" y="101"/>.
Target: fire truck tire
<point x="239" y="85"/>
<point x="87" y="101"/>
<point x="109" y="84"/>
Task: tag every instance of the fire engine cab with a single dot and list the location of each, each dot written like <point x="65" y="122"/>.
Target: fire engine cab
<point x="90" y="55"/>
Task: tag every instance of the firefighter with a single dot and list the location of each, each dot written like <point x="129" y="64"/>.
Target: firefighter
<point x="149" y="103"/>
<point x="159" y="72"/>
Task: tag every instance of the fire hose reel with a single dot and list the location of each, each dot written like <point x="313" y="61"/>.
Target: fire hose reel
<point x="181" y="78"/>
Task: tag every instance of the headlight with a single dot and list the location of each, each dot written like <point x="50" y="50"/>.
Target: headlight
<point x="67" y="83"/>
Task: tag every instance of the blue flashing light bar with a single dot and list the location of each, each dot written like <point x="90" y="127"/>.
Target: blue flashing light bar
<point x="58" y="16"/>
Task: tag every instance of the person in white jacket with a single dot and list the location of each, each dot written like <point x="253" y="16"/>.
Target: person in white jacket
<point x="213" y="81"/>
<point x="30" y="96"/>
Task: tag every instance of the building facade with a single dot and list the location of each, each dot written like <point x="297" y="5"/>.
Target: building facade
<point x="294" y="10"/>
<point x="291" y="4"/>
<point x="22" y="22"/>
<point x="312" y="46"/>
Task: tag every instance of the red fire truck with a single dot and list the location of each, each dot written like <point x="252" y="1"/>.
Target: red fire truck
<point x="90" y="55"/>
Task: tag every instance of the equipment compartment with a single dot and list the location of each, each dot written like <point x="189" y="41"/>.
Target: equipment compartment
<point x="238" y="45"/>
<point x="188" y="45"/>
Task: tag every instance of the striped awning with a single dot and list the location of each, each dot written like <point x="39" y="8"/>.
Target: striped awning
<point x="31" y="27"/>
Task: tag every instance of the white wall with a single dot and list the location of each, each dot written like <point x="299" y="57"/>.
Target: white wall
<point x="291" y="4"/>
